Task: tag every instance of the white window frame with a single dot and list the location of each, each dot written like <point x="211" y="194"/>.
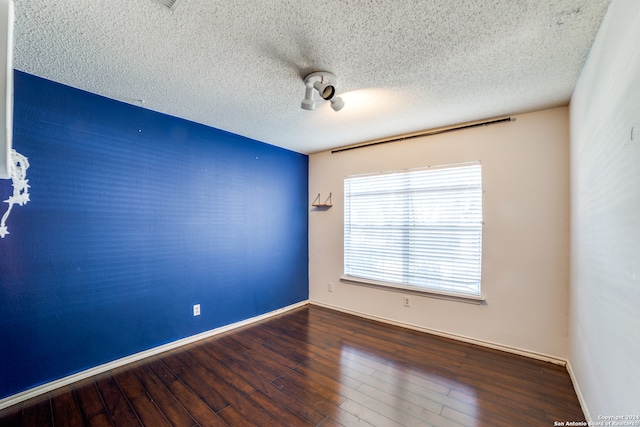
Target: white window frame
<point x="380" y="250"/>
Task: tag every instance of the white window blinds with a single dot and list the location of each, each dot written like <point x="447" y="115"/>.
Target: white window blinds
<point x="421" y="228"/>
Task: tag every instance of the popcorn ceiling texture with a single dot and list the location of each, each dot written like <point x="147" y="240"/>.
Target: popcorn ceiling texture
<point x="402" y="66"/>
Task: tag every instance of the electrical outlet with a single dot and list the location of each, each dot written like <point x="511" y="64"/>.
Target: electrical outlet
<point x="330" y="287"/>
<point x="196" y="309"/>
<point x="407" y="303"/>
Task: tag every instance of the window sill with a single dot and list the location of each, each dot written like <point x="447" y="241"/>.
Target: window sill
<point x="469" y="299"/>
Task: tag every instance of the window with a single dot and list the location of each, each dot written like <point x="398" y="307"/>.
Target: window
<point x="418" y="229"/>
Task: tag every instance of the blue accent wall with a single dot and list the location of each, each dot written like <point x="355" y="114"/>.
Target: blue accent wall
<point x="134" y="217"/>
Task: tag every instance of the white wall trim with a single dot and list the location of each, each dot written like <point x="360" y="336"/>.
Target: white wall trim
<point x="576" y="387"/>
<point x="488" y="344"/>
<point x="431" y="293"/>
<point x="45" y="388"/>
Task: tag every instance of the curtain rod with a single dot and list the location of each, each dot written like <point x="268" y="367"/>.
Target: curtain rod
<point x="424" y="133"/>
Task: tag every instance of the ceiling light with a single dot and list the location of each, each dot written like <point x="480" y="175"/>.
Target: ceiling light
<point x="325" y="89"/>
<point x="325" y="83"/>
<point x="308" y="103"/>
<point x="337" y="103"/>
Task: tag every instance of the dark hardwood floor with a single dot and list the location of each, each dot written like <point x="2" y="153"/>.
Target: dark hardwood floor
<point x="315" y="367"/>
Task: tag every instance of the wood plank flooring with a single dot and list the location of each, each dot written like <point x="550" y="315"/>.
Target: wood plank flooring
<point x="315" y="367"/>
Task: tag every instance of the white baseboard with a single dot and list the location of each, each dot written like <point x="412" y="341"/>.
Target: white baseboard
<point x="53" y="385"/>
<point x="576" y="387"/>
<point x="488" y="344"/>
<point x="45" y="388"/>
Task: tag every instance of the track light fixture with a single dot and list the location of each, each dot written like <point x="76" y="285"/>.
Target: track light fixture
<point x="337" y="103"/>
<point x="325" y="89"/>
<point x="325" y="83"/>
<point x="308" y="103"/>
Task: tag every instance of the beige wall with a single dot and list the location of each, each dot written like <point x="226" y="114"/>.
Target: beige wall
<point x="605" y="219"/>
<point x="525" y="265"/>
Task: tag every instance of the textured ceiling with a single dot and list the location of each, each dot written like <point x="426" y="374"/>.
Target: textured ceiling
<point x="402" y="66"/>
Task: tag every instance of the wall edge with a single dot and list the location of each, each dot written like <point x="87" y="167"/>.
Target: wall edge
<point x="53" y="385"/>
<point x="576" y="388"/>
<point x="488" y="344"/>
